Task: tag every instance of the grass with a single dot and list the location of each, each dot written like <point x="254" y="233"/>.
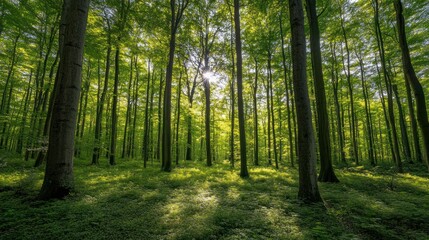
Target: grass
<point x="196" y="202"/>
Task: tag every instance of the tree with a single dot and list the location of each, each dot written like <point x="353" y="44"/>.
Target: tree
<point x="166" y="124"/>
<point x="243" y="158"/>
<point x="58" y="180"/>
<point x="327" y="173"/>
<point x="411" y="78"/>
<point x="308" y="189"/>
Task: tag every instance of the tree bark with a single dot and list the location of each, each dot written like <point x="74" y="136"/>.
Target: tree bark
<point x="166" y="124"/>
<point x="308" y="189"/>
<point x="243" y="154"/>
<point x="327" y="173"/>
<point x="113" y="133"/>
<point x="58" y="180"/>
<point x="410" y="76"/>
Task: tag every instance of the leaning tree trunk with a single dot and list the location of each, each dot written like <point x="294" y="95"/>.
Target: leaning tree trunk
<point x="308" y="189"/>
<point x="327" y="173"/>
<point x="58" y="180"/>
<point x="410" y="76"/>
<point x="388" y="82"/>
<point x="243" y="155"/>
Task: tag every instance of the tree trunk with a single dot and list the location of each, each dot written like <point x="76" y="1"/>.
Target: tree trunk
<point x="58" y="180"/>
<point x="100" y="106"/>
<point x="146" y="120"/>
<point x="416" y="141"/>
<point x="388" y="82"/>
<point x="113" y="134"/>
<point x="367" y="113"/>
<point x="255" y="117"/>
<point x="308" y="189"/>
<point x="410" y="76"/>
<point x="166" y="124"/>
<point x="334" y="76"/>
<point x="207" y="119"/>
<point x="286" y="78"/>
<point x="403" y="126"/>
<point x="327" y="173"/>
<point x="128" y="113"/>
<point x="271" y="96"/>
<point x="350" y="87"/>
<point x="178" y="118"/>
<point x="243" y="154"/>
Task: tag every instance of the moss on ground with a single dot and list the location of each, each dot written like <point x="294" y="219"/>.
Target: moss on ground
<point x="197" y="202"/>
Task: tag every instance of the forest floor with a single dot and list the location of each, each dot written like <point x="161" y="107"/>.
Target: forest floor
<point x="197" y="202"/>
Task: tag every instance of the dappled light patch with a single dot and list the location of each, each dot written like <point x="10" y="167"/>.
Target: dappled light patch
<point x="196" y="202"/>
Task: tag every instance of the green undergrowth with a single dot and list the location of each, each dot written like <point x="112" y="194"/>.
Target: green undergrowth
<point x="197" y="202"/>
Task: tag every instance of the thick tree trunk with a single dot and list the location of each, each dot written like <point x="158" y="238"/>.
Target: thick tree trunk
<point x="327" y="173"/>
<point x="410" y="76"/>
<point x="58" y="180"/>
<point x="243" y="154"/>
<point x="308" y="189"/>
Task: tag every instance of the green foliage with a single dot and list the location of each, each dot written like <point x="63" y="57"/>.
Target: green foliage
<point x="195" y="202"/>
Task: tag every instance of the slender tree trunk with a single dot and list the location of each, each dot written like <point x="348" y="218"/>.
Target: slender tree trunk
<point x="267" y="89"/>
<point x="340" y="125"/>
<point x="158" y="146"/>
<point x="308" y="189"/>
<point x="243" y="153"/>
<point x="58" y="181"/>
<point x="178" y="118"/>
<point x="416" y="141"/>
<point x="207" y="120"/>
<point x="113" y="134"/>
<point x="410" y="76"/>
<point x="388" y="82"/>
<point x="128" y="113"/>
<point x="232" y="141"/>
<point x="402" y="125"/>
<point x="327" y="173"/>
<point x="350" y="88"/>
<point x="132" y="146"/>
<point x="100" y="106"/>
<point x="166" y="124"/>
<point x="146" y="119"/>
<point x="367" y="113"/>
<point x="270" y="98"/>
<point x="255" y="117"/>
<point x="286" y="78"/>
<point x="20" y="143"/>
